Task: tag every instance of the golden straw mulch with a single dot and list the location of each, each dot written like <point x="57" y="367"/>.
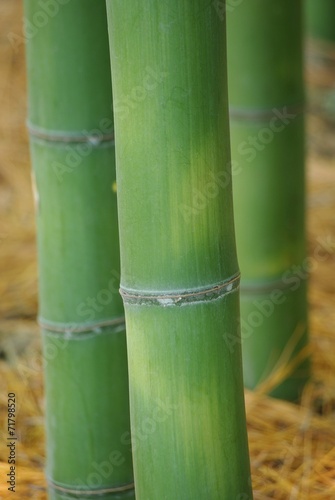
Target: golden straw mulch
<point x="292" y="447"/>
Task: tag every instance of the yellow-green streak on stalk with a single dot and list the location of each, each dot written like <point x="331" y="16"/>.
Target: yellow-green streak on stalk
<point x="81" y="312"/>
<point x="266" y="100"/>
<point x="179" y="273"/>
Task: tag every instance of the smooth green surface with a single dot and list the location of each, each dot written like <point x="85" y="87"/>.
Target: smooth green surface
<point x="264" y="39"/>
<point x="86" y="380"/>
<point x="86" y="411"/>
<point x="177" y="235"/>
<point x="188" y="419"/>
<point x="268" y="198"/>
<point x="266" y="96"/>
<point x="78" y="234"/>
<point x="79" y="95"/>
<point x="176" y="137"/>
<point x="320" y="19"/>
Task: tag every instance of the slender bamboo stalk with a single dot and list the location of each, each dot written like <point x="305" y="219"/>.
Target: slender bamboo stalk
<point x="81" y="312"/>
<point x="267" y="128"/>
<point x="320" y="18"/>
<point x="179" y="274"/>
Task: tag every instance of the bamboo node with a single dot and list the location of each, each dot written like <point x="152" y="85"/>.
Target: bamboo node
<point x="94" y="138"/>
<point x="206" y="294"/>
<point x="266" y="287"/>
<point x="98" y="492"/>
<point x="79" y="328"/>
<point x="284" y="113"/>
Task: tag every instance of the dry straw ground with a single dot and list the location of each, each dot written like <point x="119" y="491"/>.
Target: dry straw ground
<point x="292" y="447"/>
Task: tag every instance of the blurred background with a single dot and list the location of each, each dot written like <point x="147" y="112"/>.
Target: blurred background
<point x="292" y="447"/>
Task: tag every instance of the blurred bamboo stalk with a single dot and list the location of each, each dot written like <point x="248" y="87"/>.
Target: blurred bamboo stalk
<point x="266" y="96"/>
<point x="81" y="312"/>
<point x="320" y="20"/>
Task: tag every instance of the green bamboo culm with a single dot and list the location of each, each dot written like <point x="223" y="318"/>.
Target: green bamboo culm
<point x="81" y="311"/>
<point x="266" y="100"/>
<point x="320" y="19"/>
<point x="179" y="273"/>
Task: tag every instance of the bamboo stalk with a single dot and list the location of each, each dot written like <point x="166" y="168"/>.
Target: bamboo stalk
<point x="267" y="128"/>
<point x="81" y="312"/>
<point x="179" y="273"/>
<point x="320" y="15"/>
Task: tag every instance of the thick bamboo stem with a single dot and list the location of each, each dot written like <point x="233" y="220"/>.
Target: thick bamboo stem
<point x="179" y="273"/>
<point x="267" y="127"/>
<point x="81" y="312"/>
